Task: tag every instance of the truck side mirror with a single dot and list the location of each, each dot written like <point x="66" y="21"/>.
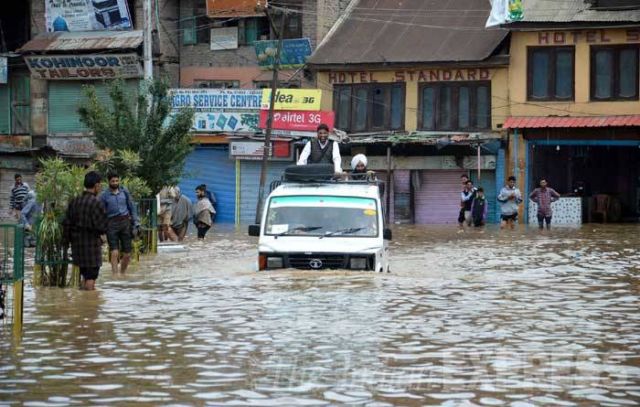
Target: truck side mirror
<point x="254" y="230"/>
<point x="386" y="234"/>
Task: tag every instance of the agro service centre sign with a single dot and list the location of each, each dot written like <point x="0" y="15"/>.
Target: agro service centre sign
<point x="82" y="67"/>
<point x="215" y="100"/>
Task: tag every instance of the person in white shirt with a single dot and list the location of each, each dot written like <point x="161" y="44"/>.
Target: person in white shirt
<point x="322" y="151"/>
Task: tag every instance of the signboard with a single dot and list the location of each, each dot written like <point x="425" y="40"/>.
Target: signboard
<point x="224" y="38"/>
<point x="216" y="99"/>
<point x="4" y="70"/>
<point x="253" y="150"/>
<point x="225" y="122"/>
<point x="86" y="15"/>
<point x="297" y="120"/>
<point x="294" y="133"/>
<point x="294" y="53"/>
<point x="82" y="67"/>
<point x="293" y="99"/>
<point x="235" y="8"/>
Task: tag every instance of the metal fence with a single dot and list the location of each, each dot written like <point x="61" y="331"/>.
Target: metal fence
<point x="148" y="213"/>
<point x="11" y="275"/>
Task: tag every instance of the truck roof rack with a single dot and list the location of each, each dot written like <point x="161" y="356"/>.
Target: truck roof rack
<point x="323" y="174"/>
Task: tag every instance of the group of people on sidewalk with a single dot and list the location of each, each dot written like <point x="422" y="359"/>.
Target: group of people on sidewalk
<point x="474" y="206"/>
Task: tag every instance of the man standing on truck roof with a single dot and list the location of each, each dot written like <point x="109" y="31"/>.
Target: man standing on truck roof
<point x="322" y="151"/>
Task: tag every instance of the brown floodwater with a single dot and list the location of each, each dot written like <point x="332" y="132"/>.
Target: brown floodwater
<point x="518" y="319"/>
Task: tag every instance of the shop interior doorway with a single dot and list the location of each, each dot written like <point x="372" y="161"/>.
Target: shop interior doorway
<point x="606" y="177"/>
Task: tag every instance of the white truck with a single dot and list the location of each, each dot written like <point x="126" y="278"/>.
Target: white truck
<point x="323" y="224"/>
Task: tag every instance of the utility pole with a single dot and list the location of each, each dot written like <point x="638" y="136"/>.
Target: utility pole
<point x="267" y="137"/>
<point x="146" y="39"/>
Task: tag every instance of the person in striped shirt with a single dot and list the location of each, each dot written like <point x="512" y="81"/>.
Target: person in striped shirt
<point x="18" y="195"/>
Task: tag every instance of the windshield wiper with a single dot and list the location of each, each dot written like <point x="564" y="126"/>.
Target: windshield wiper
<point x="345" y="231"/>
<point x="299" y="229"/>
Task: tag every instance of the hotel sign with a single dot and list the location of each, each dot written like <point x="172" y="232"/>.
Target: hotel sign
<point x="83" y="67"/>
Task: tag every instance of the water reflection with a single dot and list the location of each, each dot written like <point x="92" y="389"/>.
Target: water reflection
<point x="518" y="318"/>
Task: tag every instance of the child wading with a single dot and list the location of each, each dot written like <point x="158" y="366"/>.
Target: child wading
<point x="479" y="208"/>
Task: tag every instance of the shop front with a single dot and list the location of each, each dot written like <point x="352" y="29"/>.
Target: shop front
<point x="595" y="168"/>
<point x="424" y="178"/>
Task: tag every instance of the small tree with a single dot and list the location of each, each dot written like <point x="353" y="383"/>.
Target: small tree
<point x="57" y="183"/>
<point x="142" y="125"/>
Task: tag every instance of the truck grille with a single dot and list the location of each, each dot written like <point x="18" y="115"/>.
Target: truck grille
<point x="317" y="261"/>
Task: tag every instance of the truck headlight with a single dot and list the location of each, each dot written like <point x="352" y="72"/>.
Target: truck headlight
<point x="358" y="263"/>
<point x="274" y="262"/>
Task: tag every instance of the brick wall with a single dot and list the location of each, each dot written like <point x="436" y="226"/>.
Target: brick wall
<point x="318" y="17"/>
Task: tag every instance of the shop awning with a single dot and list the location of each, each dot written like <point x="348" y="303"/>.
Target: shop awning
<point x="83" y="41"/>
<point x="522" y="122"/>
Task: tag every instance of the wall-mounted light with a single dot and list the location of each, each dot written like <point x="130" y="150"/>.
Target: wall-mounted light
<point x="558" y="147"/>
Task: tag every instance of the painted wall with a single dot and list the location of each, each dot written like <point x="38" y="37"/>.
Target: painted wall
<point x="414" y="77"/>
<point x="582" y="40"/>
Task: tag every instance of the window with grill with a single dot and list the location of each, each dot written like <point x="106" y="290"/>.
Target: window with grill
<point x="550" y="73"/>
<point x="369" y="107"/>
<point x="614" y="73"/>
<point x="455" y="106"/>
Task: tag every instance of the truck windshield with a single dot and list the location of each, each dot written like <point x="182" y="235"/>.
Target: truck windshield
<point x="330" y="216"/>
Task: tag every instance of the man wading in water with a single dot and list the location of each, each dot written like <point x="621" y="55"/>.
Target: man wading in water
<point x="322" y="151"/>
<point x="84" y="225"/>
<point x="122" y="225"/>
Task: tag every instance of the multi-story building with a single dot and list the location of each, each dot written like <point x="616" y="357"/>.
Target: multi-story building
<point x="218" y="42"/>
<point x="575" y="106"/>
<point x="55" y="48"/>
<point x="422" y="90"/>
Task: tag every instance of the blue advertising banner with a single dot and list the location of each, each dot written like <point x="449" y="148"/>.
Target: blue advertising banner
<point x="294" y="53"/>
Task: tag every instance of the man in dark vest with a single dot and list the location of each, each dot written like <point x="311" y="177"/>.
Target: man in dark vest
<point x="322" y="151"/>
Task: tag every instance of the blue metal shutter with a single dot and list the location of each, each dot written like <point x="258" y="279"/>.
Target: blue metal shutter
<point x="212" y="166"/>
<point x="5" y="110"/>
<point x="488" y="183"/>
<point x="65" y="98"/>
<point x="250" y="184"/>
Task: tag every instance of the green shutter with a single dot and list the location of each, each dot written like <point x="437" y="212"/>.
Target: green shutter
<point x="65" y="97"/>
<point x="5" y="110"/>
<point x="20" y="103"/>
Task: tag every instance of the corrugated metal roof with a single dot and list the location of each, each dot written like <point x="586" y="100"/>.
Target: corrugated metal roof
<point x="571" y="121"/>
<point x="409" y="31"/>
<point x="84" y="41"/>
<point x="568" y="11"/>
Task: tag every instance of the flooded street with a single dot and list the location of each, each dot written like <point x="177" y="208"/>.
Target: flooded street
<point x="518" y="318"/>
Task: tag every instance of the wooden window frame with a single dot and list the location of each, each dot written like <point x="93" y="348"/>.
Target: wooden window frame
<point x="615" y="92"/>
<point x="551" y="85"/>
<point x="455" y="99"/>
<point x="353" y="88"/>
